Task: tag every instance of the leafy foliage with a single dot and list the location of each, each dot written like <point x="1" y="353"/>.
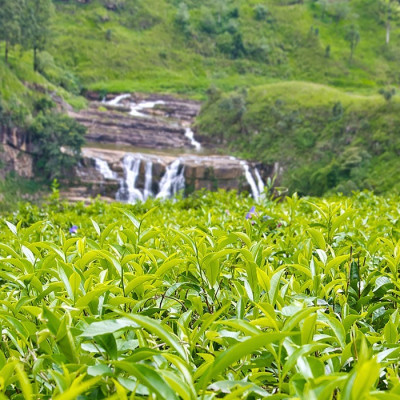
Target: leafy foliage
<point x="57" y="141"/>
<point x="324" y="140"/>
<point x="189" y="299"/>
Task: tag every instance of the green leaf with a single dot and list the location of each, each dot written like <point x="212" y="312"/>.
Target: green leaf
<point x="108" y="326"/>
<point x="108" y="343"/>
<point x="78" y="387"/>
<point x="150" y="378"/>
<point x="318" y="238"/>
<point x="160" y="330"/>
<point x="236" y="352"/>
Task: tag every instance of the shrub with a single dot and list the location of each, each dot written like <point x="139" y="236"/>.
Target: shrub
<point x="57" y="140"/>
<point x="260" y="12"/>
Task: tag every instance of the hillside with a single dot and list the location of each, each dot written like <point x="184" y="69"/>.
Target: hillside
<point x="323" y="139"/>
<point x="301" y="77"/>
<point x="176" y="46"/>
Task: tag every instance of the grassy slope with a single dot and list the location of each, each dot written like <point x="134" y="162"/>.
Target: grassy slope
<point x="325" y="139"/>
<point x="140" y="48"/>
<point x="160" y="57"/>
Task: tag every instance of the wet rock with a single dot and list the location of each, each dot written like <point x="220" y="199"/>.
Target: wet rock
<point x="161" y="127"/>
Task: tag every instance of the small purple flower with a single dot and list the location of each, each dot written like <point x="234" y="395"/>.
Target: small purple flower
<point x="73" y="229"/>
<point x="252" y="212"/>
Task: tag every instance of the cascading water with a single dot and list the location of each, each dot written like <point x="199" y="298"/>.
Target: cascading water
<point x="148" y="180"/>
<point x="173" y="180"/>
<point x="256" y="188"/>
<point x="105" y="170"/>
<point x="260" y="183"/>
<point x="135" y="108"/>
<point x="190" y="135"/>
<point x="128" y="191"/>
<point x="117" y="100"/>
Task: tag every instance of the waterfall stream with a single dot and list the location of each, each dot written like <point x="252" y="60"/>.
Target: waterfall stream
<point x="104" y="169"/>
<point x="173" y="180"/>
<point x="260" y="183"/>
<point x="136" y="108"/>
<point x="133" y="189"/>
<point x="162" y="175"/>
<point x="148" y="180"/>
<point x="190" y="135"/>
<point x="250" y="180"/>
<point x="128" y="191"/>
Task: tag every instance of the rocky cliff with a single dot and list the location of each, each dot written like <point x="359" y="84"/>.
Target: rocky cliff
<point x="116" y="164"/>
<point x="14" y="153"/>
<point x="154" y="122"/>
<point x="128" y="176"/>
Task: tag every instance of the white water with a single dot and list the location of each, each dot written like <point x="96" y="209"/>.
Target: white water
<point x="128" y="191"/>
<point x="260" y="183"/>
<point x="136" y="108"/>
<point x="256" y="188"/>
<point x="148" y="180"/>
<point x="171" y="183"/>
<point x="190" y="135"/>
<point x="117" y="100"/>
<point x="105" y="170"/>
<point x="173" y="180"/>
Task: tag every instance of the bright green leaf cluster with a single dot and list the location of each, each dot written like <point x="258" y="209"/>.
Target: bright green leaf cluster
<point x="189" y="299"/>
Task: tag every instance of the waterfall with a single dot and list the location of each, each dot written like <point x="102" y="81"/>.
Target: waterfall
<point x="148" y="180"/>
<point x="171" y="183"/>
<point x="117" y="100"/>
<point x="173" y="180"/>
<point x="128" y="191"/>
<point x="250" y="180"/>
<point x="137" y="107"/>
<point x="105" y="170"/>
<point x="260" y="183"/>
<point x="190" y="135"/>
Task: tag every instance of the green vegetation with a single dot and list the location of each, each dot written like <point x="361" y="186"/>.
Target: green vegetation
<point x="13" y="189"/>
<point x="324" y="139"/>
<point x="57" y="141"/>
<point x="201" y="297"/>
<point x="185" y="46"/>
<point x="237" y="47"/>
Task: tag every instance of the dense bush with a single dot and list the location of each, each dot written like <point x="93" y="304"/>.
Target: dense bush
<point x="57" y="141"/>
<point x="209" y="297"/>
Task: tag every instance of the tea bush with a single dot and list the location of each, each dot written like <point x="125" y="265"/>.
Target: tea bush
<point x="207" y="297"/>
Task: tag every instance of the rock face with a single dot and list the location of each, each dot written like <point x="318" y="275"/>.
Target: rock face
<point x="159" y="127"/>
<point x="177" y="161"/>
<point x="108" y="173"/>
<point x="14" y="153"/>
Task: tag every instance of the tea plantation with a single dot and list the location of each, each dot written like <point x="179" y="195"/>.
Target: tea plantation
<point x="207" y="297"/>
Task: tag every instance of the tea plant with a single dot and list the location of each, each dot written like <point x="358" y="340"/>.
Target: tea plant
<point x="201" y="298"/>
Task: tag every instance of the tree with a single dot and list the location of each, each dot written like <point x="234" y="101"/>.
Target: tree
<point x="36" y="26"/>
<point x="353" y="37"/>
<point x="57" y="140"/>
<point x="391" y="12"/>
<point x="10" y="23"/>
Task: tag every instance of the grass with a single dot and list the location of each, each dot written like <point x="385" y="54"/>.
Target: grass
<point x="325" y="139"/>
<point x="146" y="51"/>
<point x="14" y="189"/>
